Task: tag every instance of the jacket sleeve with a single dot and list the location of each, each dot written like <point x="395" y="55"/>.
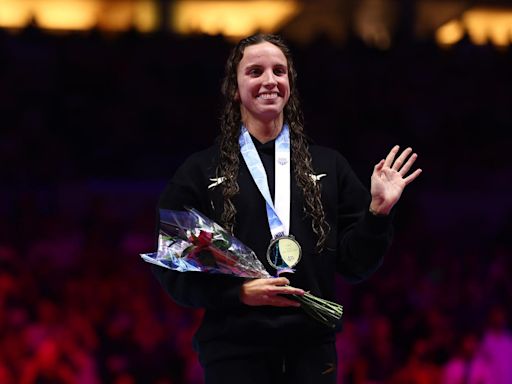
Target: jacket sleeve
<point x="363" y="238"/>
<point x="194" y="289"/>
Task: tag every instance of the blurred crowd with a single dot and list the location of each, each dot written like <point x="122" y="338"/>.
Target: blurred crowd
<point x="77" y="305"/>
<point x="93" y="126"/>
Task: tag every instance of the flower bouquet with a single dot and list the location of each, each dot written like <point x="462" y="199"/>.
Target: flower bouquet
<point x="189" y="241"/>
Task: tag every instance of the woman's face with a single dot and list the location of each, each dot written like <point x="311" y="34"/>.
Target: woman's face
<point x="263" y="85"/>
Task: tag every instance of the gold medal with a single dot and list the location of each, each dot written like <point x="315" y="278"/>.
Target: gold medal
<point x="284" y="252"/>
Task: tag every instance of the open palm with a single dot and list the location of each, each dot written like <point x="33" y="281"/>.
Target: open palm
<point x="389" y="179"/>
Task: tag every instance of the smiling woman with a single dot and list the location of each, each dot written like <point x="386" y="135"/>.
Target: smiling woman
<point x="273" y="185"/>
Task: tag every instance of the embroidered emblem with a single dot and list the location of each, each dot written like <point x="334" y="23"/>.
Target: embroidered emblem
<point x="216" y="181"/>
<point x="317" y="177"/>
<point x="282" y="161"/>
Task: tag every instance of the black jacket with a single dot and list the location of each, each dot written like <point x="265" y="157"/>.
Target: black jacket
<point x="355" y="248"/>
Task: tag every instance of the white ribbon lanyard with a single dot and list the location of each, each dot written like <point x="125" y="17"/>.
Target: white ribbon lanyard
<point x="278" y="213"/>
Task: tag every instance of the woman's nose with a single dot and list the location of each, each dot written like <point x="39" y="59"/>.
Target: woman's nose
<point x="269" y="79"/>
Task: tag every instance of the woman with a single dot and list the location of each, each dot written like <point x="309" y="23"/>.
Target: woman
<point x="251" y="332"/>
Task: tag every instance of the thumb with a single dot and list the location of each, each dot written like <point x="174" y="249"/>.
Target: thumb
<point x="378" y="168"/>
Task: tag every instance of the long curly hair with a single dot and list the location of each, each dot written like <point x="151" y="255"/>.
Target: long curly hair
<point x="231" y="120"/>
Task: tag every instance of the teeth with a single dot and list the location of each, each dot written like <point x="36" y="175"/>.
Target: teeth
<point x="268" y="96"/>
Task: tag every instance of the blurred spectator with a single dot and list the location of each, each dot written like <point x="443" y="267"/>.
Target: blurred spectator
<point x="377" y="359"/>
<point x="419" y="368"/>
<point x="497" y="346"/>
<point x="468" y="366"/>
<point x="48" y="366"/>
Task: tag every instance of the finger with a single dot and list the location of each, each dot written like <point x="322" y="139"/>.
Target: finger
<point x="279" y="301"/>
<point x="408" y="165"/>
<point x="279" y="281"/>
<point x="286" y="290"/>
<point x="391" y="156"/>
<point x="400" y="160"/>
<point x="412" y="176"/>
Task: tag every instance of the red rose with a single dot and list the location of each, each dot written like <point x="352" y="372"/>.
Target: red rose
<point x="204" y="239"/>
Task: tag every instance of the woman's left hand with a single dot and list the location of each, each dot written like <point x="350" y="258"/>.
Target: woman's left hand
<point x="389" y="180"/>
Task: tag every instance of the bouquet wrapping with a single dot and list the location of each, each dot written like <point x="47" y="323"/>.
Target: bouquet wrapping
<point x="189" y="241"/>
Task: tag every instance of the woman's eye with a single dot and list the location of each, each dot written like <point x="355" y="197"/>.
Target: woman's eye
<point x="254" y="72"/>
<point x="280" y="71"/>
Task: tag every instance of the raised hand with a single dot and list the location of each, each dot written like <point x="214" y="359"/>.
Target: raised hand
<point x="268" y="292"/>
<point x="389" y="179"/>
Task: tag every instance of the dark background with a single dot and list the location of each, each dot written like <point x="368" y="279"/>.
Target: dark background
<point x="93" y="126"/>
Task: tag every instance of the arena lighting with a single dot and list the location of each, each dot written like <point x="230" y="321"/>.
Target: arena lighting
<point x="450" y="33"/>
<point x="231" y="18"/>
<point x="121" y="15"/>
<point x="62" y="14"/>
<point x="493" y="25"/>
<point x="14" y="14"/>
<point x="75" y="15"/>
<point x="483" y="25"/>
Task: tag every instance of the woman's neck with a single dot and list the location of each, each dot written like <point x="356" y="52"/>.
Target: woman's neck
<point x="264" y="131"/>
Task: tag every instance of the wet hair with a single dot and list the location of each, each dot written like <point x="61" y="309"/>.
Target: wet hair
<point x="231" y="120"/>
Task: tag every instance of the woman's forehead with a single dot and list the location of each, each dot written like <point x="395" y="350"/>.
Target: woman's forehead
<point x="256" y="53"/>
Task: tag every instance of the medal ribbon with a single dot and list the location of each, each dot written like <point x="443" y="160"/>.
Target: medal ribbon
<point x="278" y="214"/>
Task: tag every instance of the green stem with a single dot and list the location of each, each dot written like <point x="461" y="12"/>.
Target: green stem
<point x="324" y="311"/>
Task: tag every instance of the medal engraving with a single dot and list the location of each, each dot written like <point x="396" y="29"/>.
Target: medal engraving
<point x="290" y="251"/>
<point x="284" y="252"/>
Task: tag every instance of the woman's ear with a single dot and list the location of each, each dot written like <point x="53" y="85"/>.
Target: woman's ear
<point x="237" y="96"/>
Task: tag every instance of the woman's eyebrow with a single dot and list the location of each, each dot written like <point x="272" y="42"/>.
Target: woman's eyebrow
<point x="251" y="66"/>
